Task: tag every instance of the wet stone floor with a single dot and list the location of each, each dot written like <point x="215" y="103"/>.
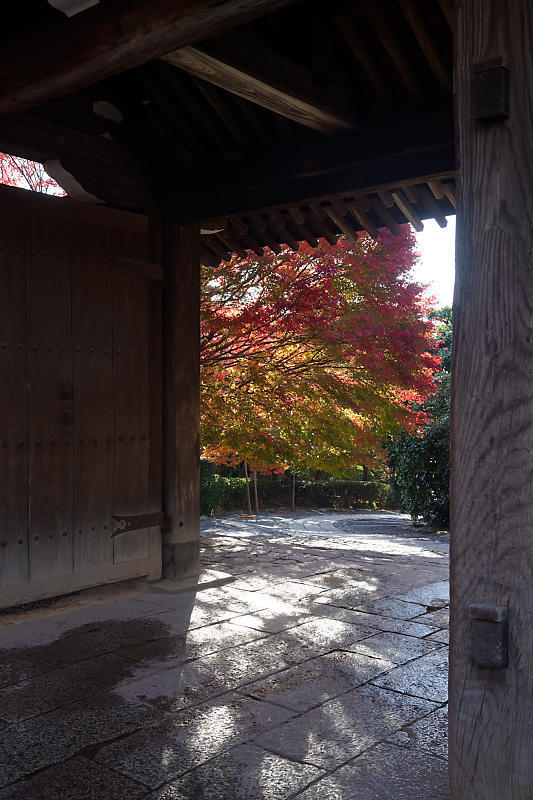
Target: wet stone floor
<point x="318" y="672"/>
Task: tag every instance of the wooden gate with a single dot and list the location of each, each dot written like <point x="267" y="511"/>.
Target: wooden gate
<point x="79" y="397"/>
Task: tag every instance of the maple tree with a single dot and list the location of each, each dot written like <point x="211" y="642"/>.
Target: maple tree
<point x="16" y="171"/>
<point x="311" y="359"/>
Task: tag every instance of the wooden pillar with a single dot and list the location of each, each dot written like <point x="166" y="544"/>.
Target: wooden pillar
<point x="491" y="708"/>
<point x="180" y="255"/>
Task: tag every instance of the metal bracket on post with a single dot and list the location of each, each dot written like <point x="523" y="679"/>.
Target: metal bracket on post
<point x="490" y="628"/>
<point x="136" y="522"/>
<point x="491" y="91"/>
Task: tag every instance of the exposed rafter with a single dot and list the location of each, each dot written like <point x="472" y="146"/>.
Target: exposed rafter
<point x="242" y="65"/>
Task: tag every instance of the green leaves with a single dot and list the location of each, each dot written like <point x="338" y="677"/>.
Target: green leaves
<point x="420" y="463"/>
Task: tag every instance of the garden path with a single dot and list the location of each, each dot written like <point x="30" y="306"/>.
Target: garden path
<point x="316" y="670"/>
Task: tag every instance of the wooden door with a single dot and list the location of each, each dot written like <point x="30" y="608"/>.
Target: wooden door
<point x="13" y="402"/>
<point x="77" y="405"/>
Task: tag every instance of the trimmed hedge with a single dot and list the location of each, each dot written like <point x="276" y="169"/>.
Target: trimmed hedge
<point x="220" y="493"/>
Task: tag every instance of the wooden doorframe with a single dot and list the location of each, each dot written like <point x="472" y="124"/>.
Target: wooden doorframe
<point x="491" y="681"/>
<point x="178" y="249"/>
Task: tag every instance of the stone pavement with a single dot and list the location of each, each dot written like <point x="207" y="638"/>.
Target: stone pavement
<point x="319" y="672"/>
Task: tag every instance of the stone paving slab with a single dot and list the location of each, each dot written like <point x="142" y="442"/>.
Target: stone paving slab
<point x="183" y="685"/>
<point x="76" y="779"/>
<point x="17" y="664"/>
<point x="60" y="687"/>
<point x="429" y="734"/>
<point x="436" y="595"/>
<point x="340" y="729"/>
<point x="243" y="773"/>
<point x="440" y="618"/>
<point x="392" y="607"/>
<point x="374" y="622"/>
<point x="308" y="685"/>
<point x="51" y="738"/>
<point x="100" y="637"/>
<point x="271" y="620"/>
<point x="156" y="755"/>
<point x="385" y="773"/>
<point x="442" y="636"/>
<point x="394" y="646"/>
<point x="425" y="677"/>
<point x="320" y="635"/>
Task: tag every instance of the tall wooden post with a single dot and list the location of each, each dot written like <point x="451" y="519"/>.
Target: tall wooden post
<point x="491" y="704"/>
<point x="180" y="255"/>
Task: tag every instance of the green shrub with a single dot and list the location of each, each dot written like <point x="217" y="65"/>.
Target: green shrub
<point x="339" y="493"/>
<point x="209" y="491"/>
<point x="420" y="469"/>
<point x="227" y="493"/>
<point x="420" y="464"/>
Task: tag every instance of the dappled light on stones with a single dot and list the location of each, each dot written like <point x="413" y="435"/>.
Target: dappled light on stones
<point x="318" y="670"/>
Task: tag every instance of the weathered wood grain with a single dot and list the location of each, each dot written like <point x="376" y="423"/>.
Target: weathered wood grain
<point x="62" y="409"/>
<point x="181" y="398"/>
<point x="491" y="720"/>
<point x="131" y="398"/>
<point x="93" y="397"/>
<point x="243" y="66"/>
<point x="51" y="413"/>
<point x="13" y="402"/>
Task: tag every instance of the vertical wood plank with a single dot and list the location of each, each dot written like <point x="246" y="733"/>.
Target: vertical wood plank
<point x="93" y="397"/>
<point x="181" y="398"/>
<point x="155" y="303"/>
<point x="131" y="397"/>
<point x="13" y="401"/>
<point x="491" y="724"/>
<point x="50" y="396"/>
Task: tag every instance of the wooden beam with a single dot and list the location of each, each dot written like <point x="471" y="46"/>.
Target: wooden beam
<point x="320" y="224"/>
<point x="390" y="44"/>
<point x="490" y="719"/>
<point x="449" y="191"/>
<point x="447" y="9"/>
<point x="357" y="45"/>
<point x="218" y="102"/>
<point x="108" y="39"/>
<point x="362" y="218"/>
<point x="243" y="65"/>
<point x="97" y="158"/>
<point x="297" y="214"/>
<point x="343" y="224"/>
<point x="383" y="214"/>
<point x="180" y="252"/>
<point x="407" y="209"/>
<point x="432" y="206"/>
<point x="279" y="221"/>
<point x="292" y="174"/>
<point x="426" y="42"/>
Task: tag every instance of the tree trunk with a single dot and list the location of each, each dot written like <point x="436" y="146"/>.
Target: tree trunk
<point x="255" y="493"/>
<point x="293" y="490"/>
<point x="248" y="500"/>
<point x="491" y="719"/>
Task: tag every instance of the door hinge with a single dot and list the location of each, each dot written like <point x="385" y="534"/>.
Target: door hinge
<point x="135" y="522"/>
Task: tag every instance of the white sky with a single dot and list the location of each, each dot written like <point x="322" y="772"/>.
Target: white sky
<point x="437" y="260"/>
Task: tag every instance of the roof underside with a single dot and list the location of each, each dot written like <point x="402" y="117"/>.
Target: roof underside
<point x="273" y="121"/>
